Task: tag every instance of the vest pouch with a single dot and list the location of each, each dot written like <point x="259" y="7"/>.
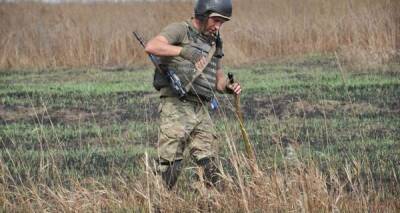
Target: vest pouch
<point x="159" y="80"/>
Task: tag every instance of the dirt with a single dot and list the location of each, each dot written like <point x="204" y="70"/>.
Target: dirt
<point x="254" y="107"/>
<point x="10" y="114"/>
<point x="283" y="107"/>
<point x="14" y="113"/>
<point x="329" y="107"/>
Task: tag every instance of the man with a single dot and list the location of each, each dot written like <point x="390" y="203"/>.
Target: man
<point x="185" y="123"/>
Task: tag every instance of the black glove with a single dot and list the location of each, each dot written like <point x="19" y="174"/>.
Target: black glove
<point x="190" y="53"/>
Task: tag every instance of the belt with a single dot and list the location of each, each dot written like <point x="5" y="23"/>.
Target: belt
<point x="192" y="98"/>
<point x="197" y="98"/>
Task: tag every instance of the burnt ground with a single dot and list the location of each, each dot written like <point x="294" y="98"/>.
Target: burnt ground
<point x="144" y="110"/>
<point x="253" y="107"/>
<point x="112" y="125"/>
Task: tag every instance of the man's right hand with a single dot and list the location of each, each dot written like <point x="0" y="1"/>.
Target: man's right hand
<point x="233" y="88"/>
<point x="192" y="54"/>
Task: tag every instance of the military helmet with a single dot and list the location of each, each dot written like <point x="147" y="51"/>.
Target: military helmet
<point x="205" y="8"/>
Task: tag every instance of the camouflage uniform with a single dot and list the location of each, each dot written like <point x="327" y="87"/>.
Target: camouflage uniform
<point x="185" y="124"/>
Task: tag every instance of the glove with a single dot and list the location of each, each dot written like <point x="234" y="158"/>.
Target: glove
<point x="190" y="53"/>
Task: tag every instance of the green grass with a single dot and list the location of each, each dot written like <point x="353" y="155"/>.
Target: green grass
<point x="93" y="123"/>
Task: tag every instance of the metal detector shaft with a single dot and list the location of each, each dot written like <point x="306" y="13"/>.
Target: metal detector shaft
<point x="247" y="145"/>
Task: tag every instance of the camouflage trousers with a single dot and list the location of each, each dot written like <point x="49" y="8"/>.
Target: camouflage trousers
<point x="185" y="126"/>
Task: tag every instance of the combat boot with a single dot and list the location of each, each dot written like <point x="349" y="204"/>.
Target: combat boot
<point x="171" y="174"/>
<point x="211" y="173"/>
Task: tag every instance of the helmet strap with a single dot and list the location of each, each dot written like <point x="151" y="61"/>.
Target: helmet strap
<point x="203" y="24"/>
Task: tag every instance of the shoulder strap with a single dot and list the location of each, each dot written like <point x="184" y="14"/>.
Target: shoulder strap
<point x="191" y="34"/>
<point x="199" y="71"/>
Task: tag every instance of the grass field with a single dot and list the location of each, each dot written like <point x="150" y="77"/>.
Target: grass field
<point x="78" y="114"/>
<point x="365" y="33"/>
<point x="326" y="139"/>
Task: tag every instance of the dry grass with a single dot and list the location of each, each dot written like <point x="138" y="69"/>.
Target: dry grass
<point x="32" y="35"/>
<point x="362" y="32"/>
<point x="299" y="188"/>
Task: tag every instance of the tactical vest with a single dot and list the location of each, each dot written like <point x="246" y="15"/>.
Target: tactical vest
<point x="204" y="85"/>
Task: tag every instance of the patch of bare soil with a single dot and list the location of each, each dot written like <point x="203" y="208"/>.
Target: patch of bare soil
<point x="71" y="115"/>
<point x="287" y="106"/>
<point x="10" y="114"/>
<point x="329" y="107"/>
<point x="14" y="113"/>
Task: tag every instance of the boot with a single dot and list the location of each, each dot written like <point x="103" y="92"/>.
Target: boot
<point x="170" y="176"/>
<point x="211" y="171"/>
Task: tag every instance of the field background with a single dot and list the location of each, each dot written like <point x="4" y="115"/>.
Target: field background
<point x="363" y="32"/>
<point x="78" y="114"/>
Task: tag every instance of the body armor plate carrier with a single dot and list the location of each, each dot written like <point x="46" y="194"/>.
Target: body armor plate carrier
<point x="204" y="85"/>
